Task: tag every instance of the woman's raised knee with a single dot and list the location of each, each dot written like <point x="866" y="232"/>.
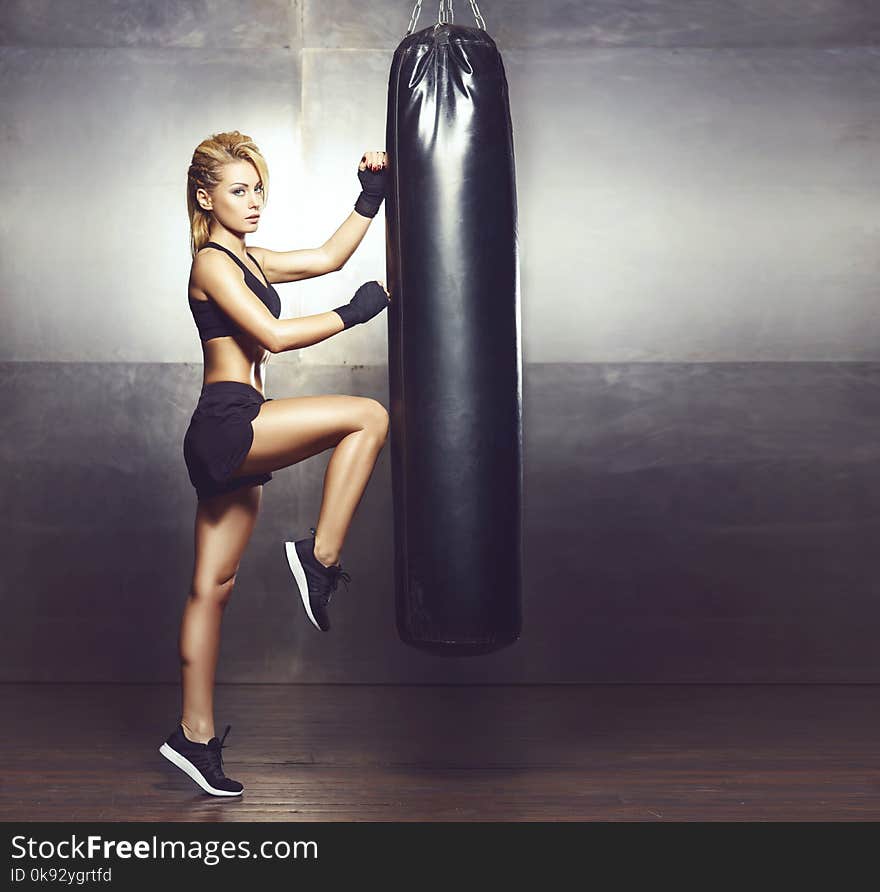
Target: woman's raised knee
<point x="377" y="419"/>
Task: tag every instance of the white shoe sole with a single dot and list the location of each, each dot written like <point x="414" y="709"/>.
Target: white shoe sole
<point x="299" y="574"/>
<point x="185" y="765"/>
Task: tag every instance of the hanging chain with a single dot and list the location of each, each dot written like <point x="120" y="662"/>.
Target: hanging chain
<point x="476" y="11"/>
<point x="446" y="15"/>
<point x="415" y="17"/>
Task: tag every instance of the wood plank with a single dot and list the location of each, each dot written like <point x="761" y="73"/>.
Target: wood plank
<point x="451" y="753"/>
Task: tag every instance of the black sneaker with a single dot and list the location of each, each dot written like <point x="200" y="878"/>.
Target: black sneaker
<point x="203" y="762"/>
<point x="316" y="583"/>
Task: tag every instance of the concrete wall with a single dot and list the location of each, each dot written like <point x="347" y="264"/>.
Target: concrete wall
<point x="697" y="188"/>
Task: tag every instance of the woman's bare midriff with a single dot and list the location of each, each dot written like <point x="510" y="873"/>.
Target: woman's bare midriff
<point x="238" y="358"/>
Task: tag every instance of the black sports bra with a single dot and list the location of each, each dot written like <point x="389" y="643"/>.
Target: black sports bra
<point x="214" y="322"/>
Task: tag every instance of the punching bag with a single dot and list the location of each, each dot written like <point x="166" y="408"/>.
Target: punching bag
<point x="454" y="364"/>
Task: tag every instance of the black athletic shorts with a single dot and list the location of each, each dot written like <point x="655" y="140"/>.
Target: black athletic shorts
<point x="219" y="437"/>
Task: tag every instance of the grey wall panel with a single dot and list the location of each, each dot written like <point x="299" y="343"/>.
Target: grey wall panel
<point x="683" y="522"/>
<point x="607" y="23"/>
<point x="698" y="205"/>
<point x="95" y="257"/>
<point x="187" y="24"/>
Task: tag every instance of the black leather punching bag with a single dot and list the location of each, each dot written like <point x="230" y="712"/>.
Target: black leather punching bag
<point x="454" y="342"/>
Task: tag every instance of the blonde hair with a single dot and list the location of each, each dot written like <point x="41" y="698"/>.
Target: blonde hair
<point x="206" y="172"/>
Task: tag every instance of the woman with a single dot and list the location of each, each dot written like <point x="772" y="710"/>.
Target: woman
<point x="235" y="439"/>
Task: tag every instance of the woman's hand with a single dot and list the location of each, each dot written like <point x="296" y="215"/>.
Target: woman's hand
<point x="373" y="175"/>
<point x="368" y="301"/>
<point x="373" y="160"/>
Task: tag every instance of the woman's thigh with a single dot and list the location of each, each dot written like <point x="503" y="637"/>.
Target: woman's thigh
<point x="287" y="431"/>
<point x="223" y="529"/>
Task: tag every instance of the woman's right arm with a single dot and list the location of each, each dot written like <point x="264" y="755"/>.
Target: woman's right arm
<point x="368" y="301"/>
<point x="303" y="331"/>
<point x="250" y="314"/>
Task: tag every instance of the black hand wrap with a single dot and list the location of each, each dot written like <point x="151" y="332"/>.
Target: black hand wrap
<point x="373" y="191"/>
<point x="368" y="300"/>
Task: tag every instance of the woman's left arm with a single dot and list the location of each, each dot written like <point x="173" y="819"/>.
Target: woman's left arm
<point x="373" y="174"/>
<point x="343" y="243"/>
<point x="291" y="266"/>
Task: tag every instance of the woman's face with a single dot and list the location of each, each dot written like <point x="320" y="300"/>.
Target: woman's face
<point x="238" y="201"/>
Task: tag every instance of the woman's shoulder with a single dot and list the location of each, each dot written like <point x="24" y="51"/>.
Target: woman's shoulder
<point x="205" y="257"/>
<point x="202" y="260"/>
<point x="210" y="261"/>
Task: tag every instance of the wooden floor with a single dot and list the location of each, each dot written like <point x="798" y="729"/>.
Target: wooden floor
<point x="451" y="753"/>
